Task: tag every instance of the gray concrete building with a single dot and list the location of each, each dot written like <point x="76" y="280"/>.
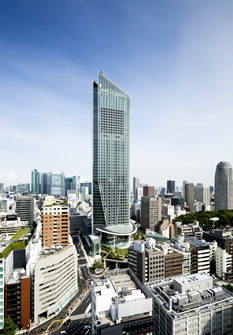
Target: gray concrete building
<point x="151" y="209"/>
<point x="191" y="305"/>
<point x="223" y="186"/>
<point x="25" y="208"/>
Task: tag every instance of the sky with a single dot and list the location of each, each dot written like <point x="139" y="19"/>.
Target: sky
<point x="172" y="57"/>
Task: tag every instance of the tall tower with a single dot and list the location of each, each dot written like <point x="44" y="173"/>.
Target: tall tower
<point x="189" y="195"/>
<point x="111" y="209"/>
<point x="223" y="186"/>
<point x="171" y="186"/>
<point x="35" y="182"/>
<point x="136" y="185"/>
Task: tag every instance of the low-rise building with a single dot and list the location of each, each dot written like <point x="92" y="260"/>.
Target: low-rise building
<point x="121" y="305"/>
<point x="55" y="280"/>
<point x="191" y="305"/>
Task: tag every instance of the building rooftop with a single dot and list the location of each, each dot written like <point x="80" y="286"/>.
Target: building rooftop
<point x="187" y="294"/>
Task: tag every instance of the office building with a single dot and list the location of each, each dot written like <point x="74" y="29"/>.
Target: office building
<point x="76" y="184"/>
<point x="87" y="184"/>
<point x="68" y="184"/>
<point x="191" y="305"/>
<point x="46" y="183"/>
<point x="17" y="299"/>
<point x="223" y="186"/>
<point x="148" y="191"/>
<point x="111" y="207"/>
<point x="121" y="305"/>
<point x="35" y="182"/>
<point x="1" y="188"/>
<point x="223" y="264"/>
<point x="202" y="193"/>
<point x="189" y="195"/>
<point x="189" y="230"/>
<point x="136" y="185"/>
<point x="25" y="208"/>
<point x="23" y="188"/>
<point x="58" y="184"/>
<point x="171" y="186"/>
<point x="55" y="223"/>
<point x="55" y="281"/>
<point x="139" y="193"/>
<point x="150" y="261"/>
<point x="200" y="255"/>
<point x="150" y="211"/>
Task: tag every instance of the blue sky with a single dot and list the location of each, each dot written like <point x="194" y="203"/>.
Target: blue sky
<point x="173" y="58"/>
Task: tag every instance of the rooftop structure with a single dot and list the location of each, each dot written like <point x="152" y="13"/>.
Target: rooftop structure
<point x="120" y="302"/>
<point x="192" y="303"/>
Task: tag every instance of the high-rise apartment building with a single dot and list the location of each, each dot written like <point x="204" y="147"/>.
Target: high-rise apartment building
<point x="55" y="222"/>
<point x="171" y="186"/>
<point x="136" y="185"/>
<point x="35" y="182"/>
<point x="189" y="195"/>
<point x="148" y="191"/>
<point x="223" y="186"/>
<point x="111" y="209"/>
<point x="25" y="208"/>
<point x="151" y="209"/>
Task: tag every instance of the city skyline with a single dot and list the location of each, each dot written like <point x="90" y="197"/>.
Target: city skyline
<point x="173" y="60"/>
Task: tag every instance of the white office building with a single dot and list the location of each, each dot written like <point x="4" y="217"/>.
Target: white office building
<point x="191" y="305"/>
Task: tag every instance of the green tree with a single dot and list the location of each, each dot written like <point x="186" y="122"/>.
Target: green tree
<point x="9" y="328"/>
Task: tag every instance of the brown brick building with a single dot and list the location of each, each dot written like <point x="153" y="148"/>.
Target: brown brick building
<point x="55" y="223"/>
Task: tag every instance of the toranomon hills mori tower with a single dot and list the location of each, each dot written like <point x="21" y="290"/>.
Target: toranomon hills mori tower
<point x="111" y="208"/>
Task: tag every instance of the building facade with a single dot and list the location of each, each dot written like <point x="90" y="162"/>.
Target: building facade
<point x="191" y="305"/>
<point x="189" y="195"/>
<point x="25" y="208"/>
<point x="55" y="281"/>
<point x="35" y="182"/>
<point x="223" y="186"/>
<point x="54" y="223"/>
<point x="111" y="208"/>
<point x="171" y="186"/>
<point x="150" y="211"/>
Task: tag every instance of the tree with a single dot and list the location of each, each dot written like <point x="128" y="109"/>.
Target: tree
<point x="9" y="327"/>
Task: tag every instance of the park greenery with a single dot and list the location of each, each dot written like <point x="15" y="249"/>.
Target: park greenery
<point x="225" y="219"/>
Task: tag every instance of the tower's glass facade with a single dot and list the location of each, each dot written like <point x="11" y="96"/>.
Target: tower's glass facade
<point x="110" y="160"/>
<point x="35" y="182"/>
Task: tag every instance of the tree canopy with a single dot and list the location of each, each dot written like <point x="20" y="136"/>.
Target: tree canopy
<point x="225" y="219"/>
<point x="9" y="328"/>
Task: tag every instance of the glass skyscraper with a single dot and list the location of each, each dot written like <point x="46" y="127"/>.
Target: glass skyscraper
<point x="35" y="182"/>
<point x="111" y="208"/>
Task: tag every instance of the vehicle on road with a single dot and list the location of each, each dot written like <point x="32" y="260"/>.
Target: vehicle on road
<point x="67" y="322"/>
<point x="63" y="332"/>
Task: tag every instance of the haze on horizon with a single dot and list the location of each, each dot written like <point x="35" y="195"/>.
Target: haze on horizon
<point x="173" y="58"/>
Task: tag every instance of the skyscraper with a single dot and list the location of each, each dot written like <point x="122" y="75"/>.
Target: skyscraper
<point x="111" y="210"/>
<point x="189" y="195"/>
<point x="35" y="182"/>
<point x="150" y="212"/>
<point x="136" y="185"/>
<point x="58" y="184"/>
<point x="171" y="186"/>
<point x="223" y="186"/>
<point x="46" y="182"/>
